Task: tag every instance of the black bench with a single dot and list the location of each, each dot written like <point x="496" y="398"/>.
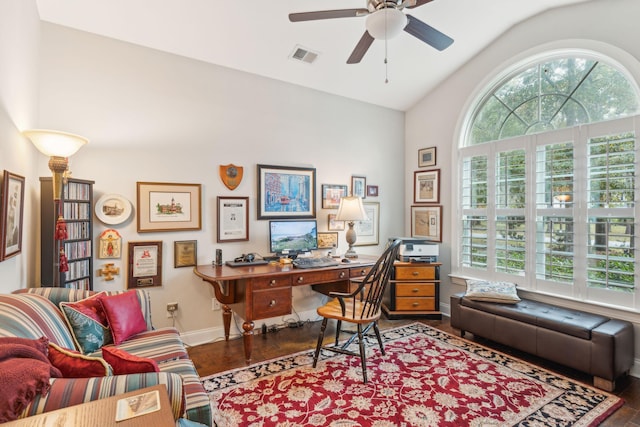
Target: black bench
<point x="591" y="343"/>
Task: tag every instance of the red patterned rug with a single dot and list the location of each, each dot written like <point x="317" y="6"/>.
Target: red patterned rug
<point x="427" y="378"/>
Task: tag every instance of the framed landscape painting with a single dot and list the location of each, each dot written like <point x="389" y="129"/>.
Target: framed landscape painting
<point x="166" y="206"/>
<point x="286" y="192"/>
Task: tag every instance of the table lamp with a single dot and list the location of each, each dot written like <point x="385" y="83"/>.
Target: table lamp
<point x="58" y="146"/>
<point x="351" y="210"/>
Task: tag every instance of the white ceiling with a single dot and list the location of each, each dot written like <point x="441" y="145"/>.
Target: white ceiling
<point x="256" y="36"/>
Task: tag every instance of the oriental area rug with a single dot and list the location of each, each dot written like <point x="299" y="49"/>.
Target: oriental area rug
<point x="427" y="378"/>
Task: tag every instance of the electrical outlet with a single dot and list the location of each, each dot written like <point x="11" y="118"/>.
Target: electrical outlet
<point x="215" y="305"/>
<point x="172" y="307"/>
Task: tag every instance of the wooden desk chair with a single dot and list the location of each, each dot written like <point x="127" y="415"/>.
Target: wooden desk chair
<point x="361" y="307"/>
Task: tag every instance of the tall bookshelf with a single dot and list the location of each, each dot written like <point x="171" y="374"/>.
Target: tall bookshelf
<point x="77" y="203"/>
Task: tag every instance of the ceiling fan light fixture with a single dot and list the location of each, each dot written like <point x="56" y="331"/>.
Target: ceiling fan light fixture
<point x="387" y="23"/>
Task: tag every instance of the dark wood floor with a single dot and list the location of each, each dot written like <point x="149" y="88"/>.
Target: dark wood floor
<point x="224" y="355"/>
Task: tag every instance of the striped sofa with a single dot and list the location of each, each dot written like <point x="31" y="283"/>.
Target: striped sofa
<point x="34" y="312"/>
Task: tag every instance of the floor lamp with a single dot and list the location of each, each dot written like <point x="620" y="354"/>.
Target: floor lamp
<point x="58" y="146"/>
<point x="351" y="209"/>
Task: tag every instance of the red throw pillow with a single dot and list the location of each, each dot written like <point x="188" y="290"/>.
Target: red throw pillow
<point x="124" y="315"/>
<point x="41" y="344"/>
<point x="123" y="362"/>
<point x="73" y="364"/>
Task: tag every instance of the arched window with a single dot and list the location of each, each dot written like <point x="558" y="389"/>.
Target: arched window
<point x="548" y="177"/>
<point x="553" y="94"/>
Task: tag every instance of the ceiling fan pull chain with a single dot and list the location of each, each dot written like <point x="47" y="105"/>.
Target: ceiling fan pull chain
<point x="386" y="62"/>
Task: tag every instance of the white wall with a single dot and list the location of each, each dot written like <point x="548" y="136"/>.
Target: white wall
<point x="19" y="39"/>
<point x="608" y="27"/>
<point x="158" y="117"/>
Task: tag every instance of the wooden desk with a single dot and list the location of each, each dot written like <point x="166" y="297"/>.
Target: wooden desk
<point x="102" y="412"/>
<point x="264" y="291"/>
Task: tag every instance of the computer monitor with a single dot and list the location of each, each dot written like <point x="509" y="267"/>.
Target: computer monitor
<point x="293" y="237"/>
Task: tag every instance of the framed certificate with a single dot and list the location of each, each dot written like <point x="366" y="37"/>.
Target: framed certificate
<point x="145" y="264"/>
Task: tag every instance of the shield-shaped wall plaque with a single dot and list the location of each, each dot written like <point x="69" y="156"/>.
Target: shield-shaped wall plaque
<point x="231" y="175"/>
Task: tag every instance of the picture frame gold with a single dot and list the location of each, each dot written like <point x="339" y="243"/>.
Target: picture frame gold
<point x="145" y="264"/>
<point x="185" y="253"/>
<point x="327" y="240"/>
<point x="164" y="206"/>
<point x="12" y="210"/>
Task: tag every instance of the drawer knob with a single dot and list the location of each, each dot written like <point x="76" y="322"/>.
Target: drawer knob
<point x="300" y="279"/>
<point x="342" y="274"/>
<point x="272" y="282"/>
<point x="415" y="273"/>
<point x="415" y="304"/>
<point x="363" y="272"/>
<point x="272" y="303"/>
<point x="415" y="290"/>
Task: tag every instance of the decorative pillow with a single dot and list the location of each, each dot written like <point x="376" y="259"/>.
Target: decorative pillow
<point x="124" y="315"/>
<point x="88" y="323"/>
<point x="123" y="362"/>
<point x="482" y="290"/>
<point x="41" y="344"/>
<point x="73" y="364"/>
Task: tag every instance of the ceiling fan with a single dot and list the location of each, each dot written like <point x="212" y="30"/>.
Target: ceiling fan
<point x="385" y="20"/>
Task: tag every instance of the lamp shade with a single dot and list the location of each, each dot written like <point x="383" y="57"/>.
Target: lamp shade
<point x="386" y="23"/>
<point x="54" y="143"/>
<point x="351" y="209"/>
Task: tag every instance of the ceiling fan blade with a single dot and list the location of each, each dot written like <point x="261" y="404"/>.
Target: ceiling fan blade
<point x="427" y="33"/>
<point x="416" y="3"/>
<point x="327" y="14"/>
<point x="360" y="49"/>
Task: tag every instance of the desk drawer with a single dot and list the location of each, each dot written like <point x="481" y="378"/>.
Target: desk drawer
<point x="276" y="302"/>
<point x="422" y="272"/>
<point x="417" y="304"/>
<point x="323" y="276"/>
<point x="415" y="289"/>
<point x="359" y="271"/>
<point x="271" y="282"/>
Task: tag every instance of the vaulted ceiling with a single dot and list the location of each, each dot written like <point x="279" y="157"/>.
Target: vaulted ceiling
<point x="256" y="36"/>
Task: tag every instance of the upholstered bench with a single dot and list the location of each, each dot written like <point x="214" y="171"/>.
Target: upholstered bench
<point x="598" y="345"/>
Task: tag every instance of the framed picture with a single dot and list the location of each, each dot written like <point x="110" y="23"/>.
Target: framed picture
<point x="426" y="186"/>
<point x="168" y="207"/>
<point x="286" y="192"/>
<point x="426" y="222"/>
<point x="185" y="253"/>
<point x="113" y="209"/>
<point x="372" y="191"/>
<point x="332" y="224"/>
<point x="427" y="157"/>
<point x="110" y="244"/>
<point x="12" y="210"/>
<point x="233" y="219"/>
<point x="331" y="195"/>
<point x="358" y="186"/>
<point x="367" y="231"/>
<point x="327" y="240"/>
<point x="145" y="264"/>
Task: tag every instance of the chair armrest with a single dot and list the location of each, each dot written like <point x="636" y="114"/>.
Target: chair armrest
<point x="75" y="391"/>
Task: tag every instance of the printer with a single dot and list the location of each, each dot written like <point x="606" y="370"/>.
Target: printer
<point x="416" y="250"/>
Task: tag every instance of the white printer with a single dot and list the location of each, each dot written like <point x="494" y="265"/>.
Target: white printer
<point x="417" y="250"/>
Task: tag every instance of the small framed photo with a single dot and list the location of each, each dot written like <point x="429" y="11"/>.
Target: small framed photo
<point x="286" y="192"/>
<point x="427" y="157"/>
<point x="334" y="225"/>
<point x="145" y="264"/>
<point x="327" y="240"/>
<point x="367" y="231"/>
<point x="12" y="210"/>
<point x="426" y="186"/>
<point x="185" y="253"/>
<point x="426" y="222"/>
<point x="168" y="207"/>
<point x="358" y="186"/>
<point x="233" y="219"/>
<point x="331" y="195"/>
<point x="372" y="191"/>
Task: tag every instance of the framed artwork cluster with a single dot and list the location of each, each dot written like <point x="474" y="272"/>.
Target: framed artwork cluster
<point x="426" y="221"/>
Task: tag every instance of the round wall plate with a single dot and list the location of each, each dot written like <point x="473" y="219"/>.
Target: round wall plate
<point x="113" y="209"/>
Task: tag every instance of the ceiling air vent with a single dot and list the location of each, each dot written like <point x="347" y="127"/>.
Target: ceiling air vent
<point x="302" y="54"/>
